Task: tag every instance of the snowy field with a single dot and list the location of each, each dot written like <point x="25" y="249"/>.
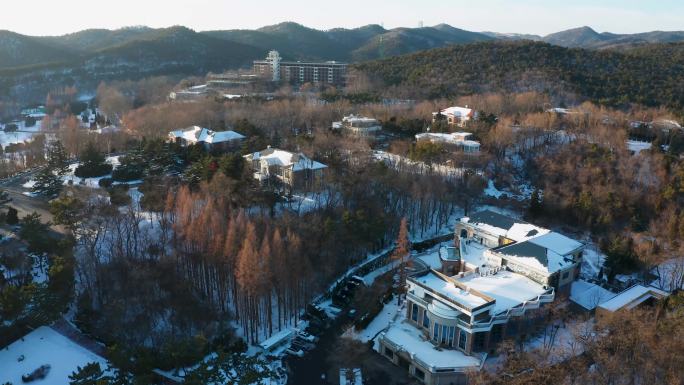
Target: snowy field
<point x="44" y="346"/>
<point x="23" y="134"/>
<point x="70" y="178"/>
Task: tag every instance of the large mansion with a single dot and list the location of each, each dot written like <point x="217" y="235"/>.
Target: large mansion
<point x="494" y="283"/>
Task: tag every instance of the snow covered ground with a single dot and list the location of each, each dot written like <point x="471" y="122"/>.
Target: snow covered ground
<point x="403" y="164"/>
<point x="563" y="340"/>
<point x="70" y="178"/>
<point x="379" y="323"/>
<point x="636" y="146"/>
<point x="592" y="261"/>
<point x="589" y="295"/>
<point x="670" y="275"/>
<point x="402" y="333"/>
<point x="23" y="133"/>
<point x="44" y="346"/>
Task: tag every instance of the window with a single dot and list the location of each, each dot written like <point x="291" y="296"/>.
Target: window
<point x="414" y="312"/>
<point x="450" y="341"/>
<point x="462" y="339"/>
<point x="566" y="274"/>
<point x="445" y="334"/>
<point x="389" y="353"/>
<point x="419" y="374"/>
<point x="426" y="319"/>
<point x="435" y="332"/>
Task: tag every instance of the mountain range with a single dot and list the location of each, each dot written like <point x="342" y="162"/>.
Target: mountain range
<point x="294" y="41"/>
<point x="32" y="65"/>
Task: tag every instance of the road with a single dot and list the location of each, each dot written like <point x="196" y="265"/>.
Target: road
<point x="26" y="204"/>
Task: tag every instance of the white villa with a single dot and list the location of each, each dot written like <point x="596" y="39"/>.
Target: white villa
<point x="211" y="140"/>
<point x="358" y="125"/>
<point x="455" y="116"/>
<point x="294" y="171"/>
<point x="492" y="284"/>
<point x="451" y="322"/>
<point x="458" y="139"/>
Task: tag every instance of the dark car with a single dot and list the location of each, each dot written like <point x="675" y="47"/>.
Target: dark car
<point x="37" y="374"/>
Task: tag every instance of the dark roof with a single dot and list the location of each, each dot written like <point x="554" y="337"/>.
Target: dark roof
<point x="493" y="219"/>
<point x="526" y="249"/>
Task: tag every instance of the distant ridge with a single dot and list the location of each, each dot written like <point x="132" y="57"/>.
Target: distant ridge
<point x="298" y="42"/>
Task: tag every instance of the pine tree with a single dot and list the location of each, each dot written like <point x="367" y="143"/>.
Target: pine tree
<point x="536" y="205"/>
<point x="57" y="158"/>
<point x="47" y="183"/>
<point x="90" y="374"/>
<point x="401" y="252"/>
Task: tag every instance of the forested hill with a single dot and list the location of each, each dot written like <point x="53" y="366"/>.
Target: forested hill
<point x="651" y="75"/>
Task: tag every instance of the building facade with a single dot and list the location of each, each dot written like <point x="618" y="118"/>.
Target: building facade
<point x="286" y="170"/>
<point x="459" y="140"/>
<point x="450" y="324"/>
<point x="297" y="72"/>
<point x="455" y="116"/>
<point x="358" y="125"/>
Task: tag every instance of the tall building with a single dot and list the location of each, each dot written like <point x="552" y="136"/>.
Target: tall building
<point x="298" y="72"/>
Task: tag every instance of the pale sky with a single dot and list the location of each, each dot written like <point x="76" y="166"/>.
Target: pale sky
<point x="53" y="17"/>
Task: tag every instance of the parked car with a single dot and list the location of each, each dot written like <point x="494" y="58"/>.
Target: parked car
<point x="313" y="329"/>
<point x="302" y="345"/>
<point x="295" y="352"/>
<point x="307" y="337"/>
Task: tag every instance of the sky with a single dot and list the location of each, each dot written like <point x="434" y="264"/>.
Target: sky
<point x="51" y="17"/>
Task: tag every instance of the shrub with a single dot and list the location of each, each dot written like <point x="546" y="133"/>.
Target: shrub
<point x="127" y="173"/>
<point x="12" y="216"/>
<point x="118" y="195"/>
<point x="93" y="170"/>
<point x="105" y="182"/>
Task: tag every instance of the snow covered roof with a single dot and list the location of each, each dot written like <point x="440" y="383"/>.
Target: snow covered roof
<point x="276" y="157"/>
<point x="508" y="289"/>
<point x="196" y="134"/>
<point x="412" y="341"/>
<point x="44" y="346"/>
<point x="632" y="297"/>
<point x="356" y="119"/>
<point x="534" y="246"/>
<point x="502" y="225"/>
<point x="457" y="111"/>
<point x="453" y="137"/>
<point x="276" y="339"/>
<point x="548" y="253"/>
<point x="449" y="290"/>
<point x="589" y="295"/>
<point x="558" y="243"/>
